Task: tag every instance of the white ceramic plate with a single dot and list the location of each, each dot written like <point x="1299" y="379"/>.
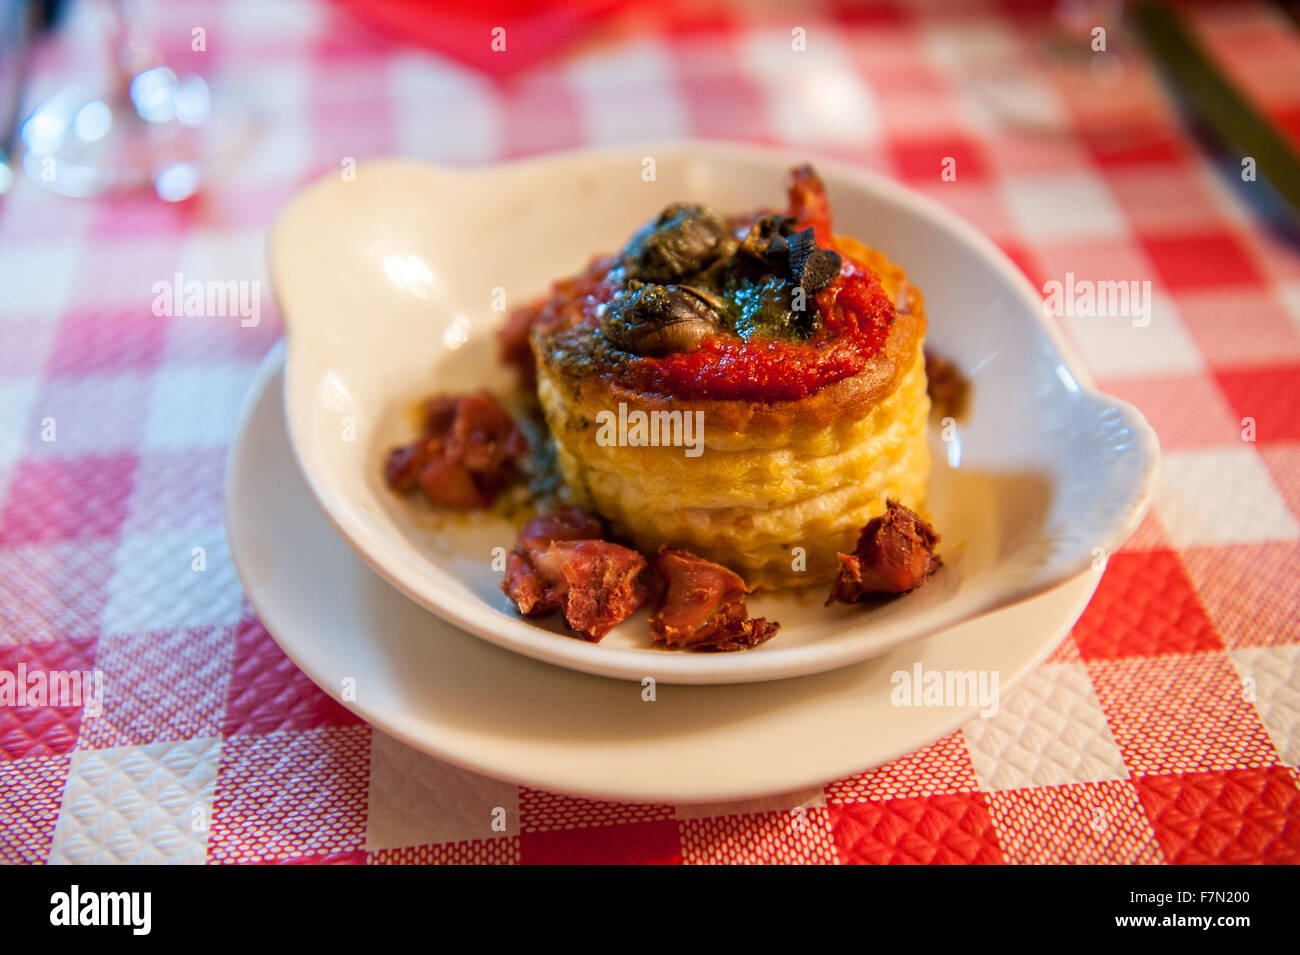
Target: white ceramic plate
<point x="499" y="713"/>
<point x="387" y="284"/>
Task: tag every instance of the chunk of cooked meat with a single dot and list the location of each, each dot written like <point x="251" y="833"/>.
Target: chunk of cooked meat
<point x="948" y="388"/>
<point x="514" y="349"/>
<point x="702" y="606"/>
<point x="895" y="554"/>
<point x="595" y="584"/>
<point x="565" y="524"/>
<point x="466" y="456"/>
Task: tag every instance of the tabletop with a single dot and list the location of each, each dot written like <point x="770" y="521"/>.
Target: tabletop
<point x="1164" y="729"/>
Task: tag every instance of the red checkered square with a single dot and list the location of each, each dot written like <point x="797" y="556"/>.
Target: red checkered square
<point x="973" y="201"/>
<point x="1242" y="325"/>
<point x="209" y="340"/>
<point x="1145" y="605"/>
<point x="1251" y="591"/>
<point x="1233" y="817"/>
<point x="31" y="791"/>
<point x="268" y="693"/>
<point x="1288" y="119"/>
<point x="290" y="794"/>
<point x="919" y="111"/>
<point x="1110" y="261"/>
<point x="943" y="767"/>
<point x="1270" y="395"/>
<point x="1164" y="198"/>
<point x="634" y="843"/>
<point x="785" y="838"/>
<point x="362" y="130"/>
<point x="1201" y="260"/>
<point x="505" y="851"/>
<point x="54" y="591"/>
<point x="356" y="857"/>
<point x="244" y="208"/>
<point x="54" y="500"/>
<point x="1119" y="146"/>
<point x="1187" y="411"/>
<point x="879" y="20"/>
<point x="539" y="114"/>
<point x="1027" y="260"/>
<point x="1081" y="824"/>
<point x="925" y="159"/>
<point x="541" y="811"/>
<point x="33" y="731"/>
<point x="718" y="100"/>
<point x="892" y="68"/>
<point x="96" y="340"/>
<point x="1181" y="713"/>
<point x="168" y="685"/>
<point x="943" y="830"/>
<point x="139" y="216"/>
<point x="1013" y="153"/>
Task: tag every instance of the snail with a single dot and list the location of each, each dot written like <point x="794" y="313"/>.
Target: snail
<point x="766" y="240"/>
<point x="683" y="240"/>
<point x="657" y="320"/>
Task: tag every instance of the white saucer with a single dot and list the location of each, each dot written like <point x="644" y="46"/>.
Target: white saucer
<point x="502" y="714"/>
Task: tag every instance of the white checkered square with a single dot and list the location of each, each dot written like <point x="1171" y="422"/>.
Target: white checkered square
<point x="82" y="422"/>
<point x="156" y="586"/>
<point x="227" y="255"/>
<point x="1137" y="346"/>
<point x="1220" y="495"/>
<point x="1063" y="206"/>
<point x="1289" y="292"/>
<point x="1274" y="673"/>
<point x="138" y="804"/>
<point x="613" y="88"/>
<point x="196" y="405"/>
<point x="1049" y="731"/>
<point x="814" y="95"/>
<point x="443" y="111"/>
<point x="17" y="396"/>
<point x="36" y="277"/>
<point x="417" y="800"/>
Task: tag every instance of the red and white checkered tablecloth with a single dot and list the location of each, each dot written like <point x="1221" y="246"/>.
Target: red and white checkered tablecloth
<point x="1173" y="707"/>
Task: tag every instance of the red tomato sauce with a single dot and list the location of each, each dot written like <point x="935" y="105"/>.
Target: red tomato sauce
<point x="855" y="316"/>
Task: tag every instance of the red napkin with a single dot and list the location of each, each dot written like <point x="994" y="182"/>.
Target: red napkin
<point x="465" y="31"/>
